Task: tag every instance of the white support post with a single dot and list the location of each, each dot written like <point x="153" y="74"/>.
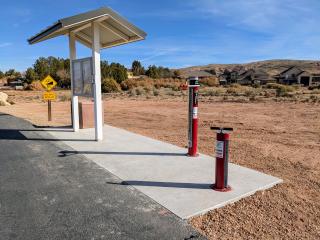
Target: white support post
<point x="74" y="99"/>
<point x="97" y="81"/>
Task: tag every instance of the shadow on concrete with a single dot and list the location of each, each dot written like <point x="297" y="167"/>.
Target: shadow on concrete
<point x="164" y="184"/>
<point x="67" y="128"/>
<point x="15" y="134"/>
<point x="41" y="130"/>
<point x="68" y="153"/>
<point x="9" y="134"/>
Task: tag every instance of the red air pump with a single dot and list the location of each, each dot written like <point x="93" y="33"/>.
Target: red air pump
<point x="222" y="158"/>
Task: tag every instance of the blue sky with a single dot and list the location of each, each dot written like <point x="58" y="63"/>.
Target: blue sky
<point x="181" y="33"/>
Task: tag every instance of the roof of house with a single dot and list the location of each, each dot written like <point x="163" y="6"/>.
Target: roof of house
<point x="256" y="72"/>
<point x="114" y="29"/>
<point x="283" y="72"/>
<point x="312" y="72"/>
<point x="246" y="73"/>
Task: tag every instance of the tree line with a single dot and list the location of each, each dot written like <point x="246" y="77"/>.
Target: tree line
<point x="59" y="69"/>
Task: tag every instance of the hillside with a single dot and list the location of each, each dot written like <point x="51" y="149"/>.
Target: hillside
<point x="272" y="67"/>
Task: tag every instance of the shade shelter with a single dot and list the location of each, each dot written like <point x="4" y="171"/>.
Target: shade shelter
<point x="97" y="29"/>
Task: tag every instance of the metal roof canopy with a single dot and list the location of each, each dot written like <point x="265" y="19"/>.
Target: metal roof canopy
<point x="114" y="29"/>
<point x="101" y="28"/>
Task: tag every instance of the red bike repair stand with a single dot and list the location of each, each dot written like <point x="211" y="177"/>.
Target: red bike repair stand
<point x="222" y="159"/>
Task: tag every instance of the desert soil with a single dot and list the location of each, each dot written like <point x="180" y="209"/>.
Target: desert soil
<point x="281" y="139"/>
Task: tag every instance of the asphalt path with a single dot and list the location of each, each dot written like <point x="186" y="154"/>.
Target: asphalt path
<point x="46" y="196"/>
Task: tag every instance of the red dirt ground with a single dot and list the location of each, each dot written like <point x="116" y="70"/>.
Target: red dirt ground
<point x="281" y="139"/>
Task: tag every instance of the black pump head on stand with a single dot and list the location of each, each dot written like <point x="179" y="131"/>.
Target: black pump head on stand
<point x="222" y="129"/>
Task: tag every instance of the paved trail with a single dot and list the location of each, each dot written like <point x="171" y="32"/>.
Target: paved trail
<point x="44" y="196"/>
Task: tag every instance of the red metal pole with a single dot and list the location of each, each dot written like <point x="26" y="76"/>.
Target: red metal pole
<point x="222" y="158"/>
<point x="193" y="117"/>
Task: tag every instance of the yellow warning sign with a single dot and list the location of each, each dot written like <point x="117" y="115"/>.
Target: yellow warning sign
<point x="48" y="83"/>
<point x="49" y="96"/>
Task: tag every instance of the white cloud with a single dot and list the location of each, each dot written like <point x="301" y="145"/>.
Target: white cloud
<point x="232" y="31"/>
<point x="260" y="15"/>
<point x="5" y="44"/>
<point x="160" y="52"/>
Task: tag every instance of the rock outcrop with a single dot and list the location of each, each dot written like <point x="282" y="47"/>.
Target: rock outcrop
<point x="3" y="99"/>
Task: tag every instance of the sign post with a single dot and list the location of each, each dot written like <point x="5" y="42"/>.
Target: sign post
<point x="49" y="111"/>
<point x="49" y="83"/>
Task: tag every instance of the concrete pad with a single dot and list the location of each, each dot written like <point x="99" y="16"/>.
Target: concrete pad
<point x="162" y="171"/>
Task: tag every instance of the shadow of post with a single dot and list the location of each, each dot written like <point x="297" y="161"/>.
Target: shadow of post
<point x="164" y="184"/>
<point x="16" y="134"/>
<point x="68" y="153"/>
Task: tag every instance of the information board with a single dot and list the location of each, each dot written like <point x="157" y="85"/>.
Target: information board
<point x="82" y="77"/>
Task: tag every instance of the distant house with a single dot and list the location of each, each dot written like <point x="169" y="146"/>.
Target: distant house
<point x="246" y="78"/>
<point x="309" y="78"/>
<point x="231" y="76"/>
<point x="295" y="75"/>
<point x="235" y="73"/>
<point x="290" y="75"/>
<point x="222" y="80"/>
<point x="17" y="84"/>
<point x="254" y="76"/>
<point x="130" y="74"/>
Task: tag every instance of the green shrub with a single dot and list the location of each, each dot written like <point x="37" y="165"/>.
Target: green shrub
<point x="314" y="98"/>
<point x="156" y="92"/>
<point x="212" y="92"/>
<point x="250" y="93"/>
<point x="147" y="89"/>
<point x="140" y="91"/>
<point x="272" y="85"/>
<point x="252" y="98"/>
<point x="316" y="91"/>
<point x="281" y="90"/>
<point x="34" y="86"/>
<point x="210" y="81"/>
<point x="235" y="85"/>
<point x="296" y="86"/>
<point x="132" y="92"/>
<point x="218" y="92"/>
<point x="65" y="97"/>
<point x="175" y="88"/>
<point x="128" y="84"/>
<point x="314" y="87"/>
<point x="256" y="85"/>
<point x="110" y="85"/>
<point x="285" y="88"/>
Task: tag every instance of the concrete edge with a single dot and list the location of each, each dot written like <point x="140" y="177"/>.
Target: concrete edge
<point x="202" y="212"/>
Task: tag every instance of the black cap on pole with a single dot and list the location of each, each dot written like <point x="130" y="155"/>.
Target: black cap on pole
<point x="193" y="81"/>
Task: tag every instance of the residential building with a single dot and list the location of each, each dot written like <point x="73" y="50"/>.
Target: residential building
<point x="295" y="75"/>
